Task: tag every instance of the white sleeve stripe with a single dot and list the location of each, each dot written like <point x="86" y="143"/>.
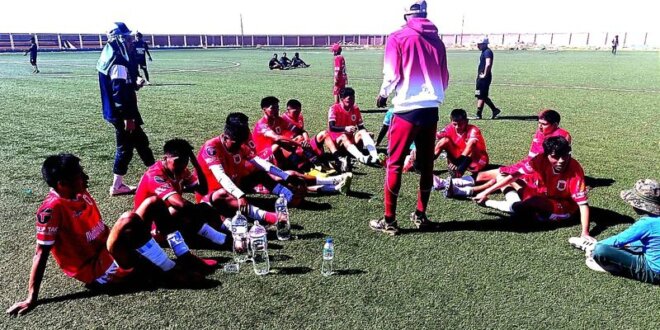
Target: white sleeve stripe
<point x="169" y="194"/>
<point x="40" y="242"/>
<point x="118" y="72"/>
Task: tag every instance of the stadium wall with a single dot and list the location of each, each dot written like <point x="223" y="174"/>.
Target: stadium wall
<point x="62" y="41"/>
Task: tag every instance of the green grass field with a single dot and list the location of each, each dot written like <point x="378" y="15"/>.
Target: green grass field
<point x="476" y="271"/>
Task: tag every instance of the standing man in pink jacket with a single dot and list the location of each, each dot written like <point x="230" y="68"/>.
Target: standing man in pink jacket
<point x="415" y="66"/>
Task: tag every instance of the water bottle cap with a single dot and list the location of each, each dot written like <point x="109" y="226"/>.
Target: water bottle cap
<point x="281" y="195"/>
<point x="329" y="240"/>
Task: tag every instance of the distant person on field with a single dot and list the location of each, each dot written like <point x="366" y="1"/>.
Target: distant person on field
<point x="635" y="252"/>
<point x="340" y="77"/>
<point x="141" y="53"/>
<point x="484" y="78"/>
<point x="33" y="54"/>
<point x="274" y="63"/>
<point x="297" y="62"/>
<point x="415" y="66"/>
<point x="69" y="226"/>
<point x="117" y="81"/>
<point x="615" y="44"/>
<point x="285" y="61"/>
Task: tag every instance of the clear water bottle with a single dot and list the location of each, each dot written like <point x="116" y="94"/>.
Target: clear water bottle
<point x="259" y="249"/>
<point x="328" y="255"/>
<point x="283" y="224"/>
<point x="239" y="233"/>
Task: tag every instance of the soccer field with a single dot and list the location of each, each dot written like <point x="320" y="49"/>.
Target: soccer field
<point x="478" y="270"/>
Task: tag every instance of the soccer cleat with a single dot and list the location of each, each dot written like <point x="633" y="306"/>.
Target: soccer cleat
<point x="449" y="191"/>
<point x="421" y="222"/>
<point x="123" y="189"/>
<point x="496" y="113"/>
<point x="583" y="242"/>
<point x="382" y="226"/>
<point x="440" y="183"/>
<point x="593" y="265"/>
<point x="477" y="116"/>
<point x="344" y="164"/>
<point x="202" y="265"/>
<point x="345" y="185"/>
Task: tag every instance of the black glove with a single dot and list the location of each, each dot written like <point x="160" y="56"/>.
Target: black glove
<point x="381" y="102"/>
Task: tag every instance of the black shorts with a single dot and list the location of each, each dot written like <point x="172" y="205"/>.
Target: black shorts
<point x="483" y="87"/>
<point x="142" y="62"/>
<point x="33" y="60"/>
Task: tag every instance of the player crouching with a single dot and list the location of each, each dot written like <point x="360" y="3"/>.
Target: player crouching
<point x="69" y="226"/>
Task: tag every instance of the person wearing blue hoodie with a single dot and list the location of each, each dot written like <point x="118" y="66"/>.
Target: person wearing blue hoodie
<point x="117" y="81"/>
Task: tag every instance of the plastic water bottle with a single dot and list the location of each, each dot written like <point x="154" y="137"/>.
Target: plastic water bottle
<point x="259" y="249"/>
<point x="328" y="255"/>
<point x="239" y="233"/>
<point x="283" y="225"/>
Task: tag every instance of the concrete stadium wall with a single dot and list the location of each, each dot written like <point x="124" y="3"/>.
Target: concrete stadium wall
<point x="61" y="41"/>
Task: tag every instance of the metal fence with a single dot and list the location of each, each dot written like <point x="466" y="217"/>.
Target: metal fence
<point x="64" y="41"/>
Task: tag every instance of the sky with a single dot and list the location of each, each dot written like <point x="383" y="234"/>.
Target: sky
<point x="325" y="16"/>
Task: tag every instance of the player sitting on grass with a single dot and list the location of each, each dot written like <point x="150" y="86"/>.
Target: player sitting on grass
<point x="275" y="141"/>
<point x="346" y="128"/>
<point x="634" y="253"/>
<point x="274" y="63"/>
<point x="231" y="166"/>
<point x="548" y="126"/>
<point x="297" y="62"/>
<point x="160" y="192"/>
<point x="554" y="187"/>
<point x="69" y="225"/>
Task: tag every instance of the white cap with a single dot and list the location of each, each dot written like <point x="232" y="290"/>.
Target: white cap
<point x="483" y="40"/>
<point x="416" y="7"/>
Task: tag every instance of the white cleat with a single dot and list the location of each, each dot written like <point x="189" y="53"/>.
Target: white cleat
<point x="122" y="190"/>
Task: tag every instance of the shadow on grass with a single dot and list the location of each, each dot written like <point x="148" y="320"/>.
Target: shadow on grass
<point x="592" y="182"/>
<point x="346" y="272"/>
<point x="170" y="84"/>
<point x="291" y="270"/>
<point x="383" y="110"/>
<point x="279" y="257"/>
<point x="131" y="287"/>
<point x="314" y="206"/>
<point x="523" y="118"/>
<point x="359" y="194"/>
<point x="602" y="219"/>
<point x="310" y="236"/>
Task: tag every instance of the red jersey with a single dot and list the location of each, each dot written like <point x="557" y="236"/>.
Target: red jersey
<point x="537" y="141"/>
<point x="156" y="181"/>
<point x="567" y="185"/>
<point x="77" y="234"/>
<point x="460" y="140"/>
<point x="341" y="117"/>
<point x="295" y="123"/>
<point x="278" y="125"/>
<point x="236" y="165"/>
<point x="340" y="70"/>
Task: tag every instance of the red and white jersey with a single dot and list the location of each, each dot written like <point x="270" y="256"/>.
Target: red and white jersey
<point x="460" y="140"/>
<point x="537" y="141"/>
<point x="157" y="181"/>
<point x="77" y="234"/>
<point x="341" y="117"/>
<point x="566" y="185"/>
<point x="340" y="70"/>
<point x="235" y="165"/>
<point x="298" y="123"/>
<point x="277" y="125"/>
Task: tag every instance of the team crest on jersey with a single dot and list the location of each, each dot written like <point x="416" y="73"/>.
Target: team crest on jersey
<point x="561" y="185"/>
<point x="44" y="216"/>
<point x="278" y="130"/>
<point x="159" y="179"/>
<point x="353" y="117"/>
<point x="237" y="159"/>
<point x="211" y="151"/>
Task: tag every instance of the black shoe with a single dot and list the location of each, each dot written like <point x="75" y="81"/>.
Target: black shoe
<point x="476" y="117"/>
<point x="496" y="113"/>
<point x="421" y="222"/>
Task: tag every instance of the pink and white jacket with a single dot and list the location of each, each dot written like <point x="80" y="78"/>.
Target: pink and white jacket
<point x="416" y="66"/>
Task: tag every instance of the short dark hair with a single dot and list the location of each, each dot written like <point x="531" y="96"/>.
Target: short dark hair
<point x="556" y="145"/>
<point x="236" y="127"/>
<point x="139" y="34"/>
<point x="551" y="116"/>
<point x="346" y="92"/>
<point x="60" y="167"/>
<point x="293" y="103"/>
<point x="458" y="114"/>
<point x="177" y="147"/>
<point x="269" y="101"/>
<point x="275" y="55"/>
